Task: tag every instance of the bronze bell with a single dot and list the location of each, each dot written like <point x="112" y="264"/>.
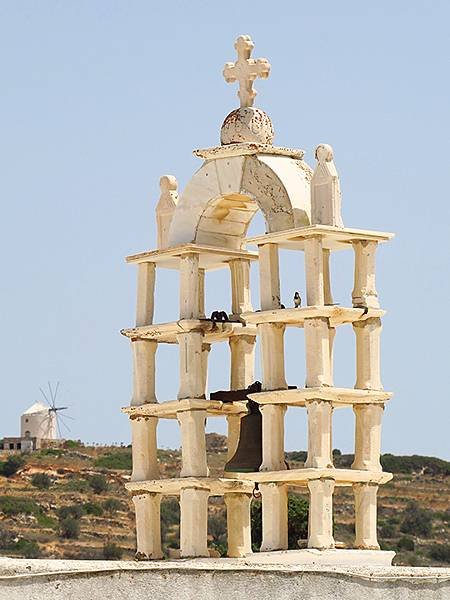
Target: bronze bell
<point x="248" y="455"/>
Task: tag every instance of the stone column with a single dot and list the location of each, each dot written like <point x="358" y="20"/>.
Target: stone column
<point x="148" y="526"/>
<point x="368" y="436"/>
<point x="320" y="533"/>
<point x="368" y="334"/>
<point x="143" y="371"/>
<point x="189" y="286"/>
<point x="193" y="443"/>
<point x="269" y="276"/>
<point x="274" y="516"/>
<point x="206" y="349"/>
<point x="314" y="271"/>
<point x="327" y="293"/>
<point x="242" y="350"/>
<point x="319" y="434"/>
<point x="366" y="516"/>
<point x="192" y="380"/>
<point x="272" y="355"/>
<point x="238" y="524"/>
<point x="201" y="294"/>
<point x="234" y="428"/>
<point x="273" y="437"/>
<point x="193" y="522"/>
<point x="332" y="335"/>
<point x="145" y="294"/>
<point x="240" y="286"/>
<point x="364" y="290"/>
<point x="144" y="449"/>
<point x="317" y="342"/>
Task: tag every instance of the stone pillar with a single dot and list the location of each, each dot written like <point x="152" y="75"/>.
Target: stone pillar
<point x="273" y="437"/>
<point x="189" y="286"/>
<point x="368" y="436"/>
<point x="144" y="449"/>
<point x="368" y="334"/>
<point x="148" y="526"/>
<point x="272" y="355"/>
<point x="269" y="276"/>
<point x="234" y="428"/>
<point x="238" y="524"/>
<point x="206" y="348"/>
<point x="314" y="271"/>
<point x="319" y="434"/>
<point x="192" y="380"/>
<point x="366" y="516"/>
<point x="320" y="533"/>
<point x="364" y="290"/>
<point x="332" y="335"/>
<point x="145" y="294"/>
<point x="317" y="341"/>
<point x="240" y="286"/>
<point x="193" y="522"/>
<point x="242" y="350"/>
<point x="327" y="293"/>
<point x="193" y="443"/>
<point x="143" y="371"/>
<point x="274" y="516"/>
<point x="201" y="294"/>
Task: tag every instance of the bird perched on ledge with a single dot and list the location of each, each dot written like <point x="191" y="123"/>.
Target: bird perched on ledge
<point x="297" y="300"/>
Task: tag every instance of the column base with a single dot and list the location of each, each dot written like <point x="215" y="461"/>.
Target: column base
<point x="331" y="557"/>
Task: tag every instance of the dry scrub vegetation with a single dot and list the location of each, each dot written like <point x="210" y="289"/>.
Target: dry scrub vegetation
<point x="71" y="503"/>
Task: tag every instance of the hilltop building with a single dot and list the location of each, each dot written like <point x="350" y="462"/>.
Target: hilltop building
<point x="38" y="429"/>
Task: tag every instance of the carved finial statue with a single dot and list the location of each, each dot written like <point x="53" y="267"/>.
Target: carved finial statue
<point x="325" y="190"/>
<point x="166" y="207"/>
<point x="245" y="70"/>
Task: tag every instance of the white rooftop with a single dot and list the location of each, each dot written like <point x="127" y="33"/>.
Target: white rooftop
<point x="37" y="407"/>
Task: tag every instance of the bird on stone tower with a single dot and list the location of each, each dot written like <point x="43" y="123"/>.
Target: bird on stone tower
<point x="297" y="300"/>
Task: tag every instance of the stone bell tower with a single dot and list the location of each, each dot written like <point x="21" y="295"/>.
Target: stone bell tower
<point x="203" y="229"/>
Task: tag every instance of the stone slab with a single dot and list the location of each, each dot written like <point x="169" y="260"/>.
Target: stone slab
<point x="333" y="238"/>
<point x="295" y="317"/>
<point x="247" y="149"/>
<point x="169" y="409"/>
<point x="339" y="397"/>
<point x="301" y="477"/>
<point x="218" y="579"/>
<point x="210" y="257"/>
<point x="166" y="333"/>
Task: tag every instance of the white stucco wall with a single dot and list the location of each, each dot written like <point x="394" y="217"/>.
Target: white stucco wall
<point x="223" y="579"/>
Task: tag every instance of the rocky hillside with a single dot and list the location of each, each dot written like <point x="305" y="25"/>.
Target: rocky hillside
<point x="71" y="503"/>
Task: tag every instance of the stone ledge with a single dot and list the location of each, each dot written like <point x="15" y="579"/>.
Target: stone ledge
<point x="218" y="579"/>
<point x="247" y="149"/>
<point x="333" y="238"/>
<point x="300" y="477"/>
<point x="166" y="333"/>
<point x="295" y="317"/>
<point x="173" y="487"/>
<point x="210" y="257"/>
<point x="169" y="410"/>
<point x="339" y="397"/>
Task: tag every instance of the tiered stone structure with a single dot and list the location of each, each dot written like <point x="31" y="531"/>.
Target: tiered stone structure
<point x="205" y="229"/>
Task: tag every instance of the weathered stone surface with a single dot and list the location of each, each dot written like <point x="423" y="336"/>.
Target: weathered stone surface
<point x="249" y="124"/>
<point x="204" y="579"/>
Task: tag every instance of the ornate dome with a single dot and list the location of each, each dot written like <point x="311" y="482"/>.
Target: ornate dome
<point x="247" y="124"/>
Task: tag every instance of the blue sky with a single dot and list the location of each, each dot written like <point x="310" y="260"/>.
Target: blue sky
<point x="100" y="98"/>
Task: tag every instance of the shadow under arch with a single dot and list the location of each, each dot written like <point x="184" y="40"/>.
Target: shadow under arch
<point x="222" y="197"/>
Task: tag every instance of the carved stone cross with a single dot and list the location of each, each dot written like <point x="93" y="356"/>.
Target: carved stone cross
<point x="245" y="70"/>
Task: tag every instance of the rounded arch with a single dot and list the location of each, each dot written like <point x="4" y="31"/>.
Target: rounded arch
<point x="222" y="197"/>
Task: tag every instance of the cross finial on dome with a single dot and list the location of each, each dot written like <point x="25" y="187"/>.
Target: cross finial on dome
<point x="245" y="70"/>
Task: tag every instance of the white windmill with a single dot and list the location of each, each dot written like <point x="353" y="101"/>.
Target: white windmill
<point x="44" y="421"/>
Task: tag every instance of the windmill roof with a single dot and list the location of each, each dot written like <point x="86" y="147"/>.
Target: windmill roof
<point x="37" y="407"/>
